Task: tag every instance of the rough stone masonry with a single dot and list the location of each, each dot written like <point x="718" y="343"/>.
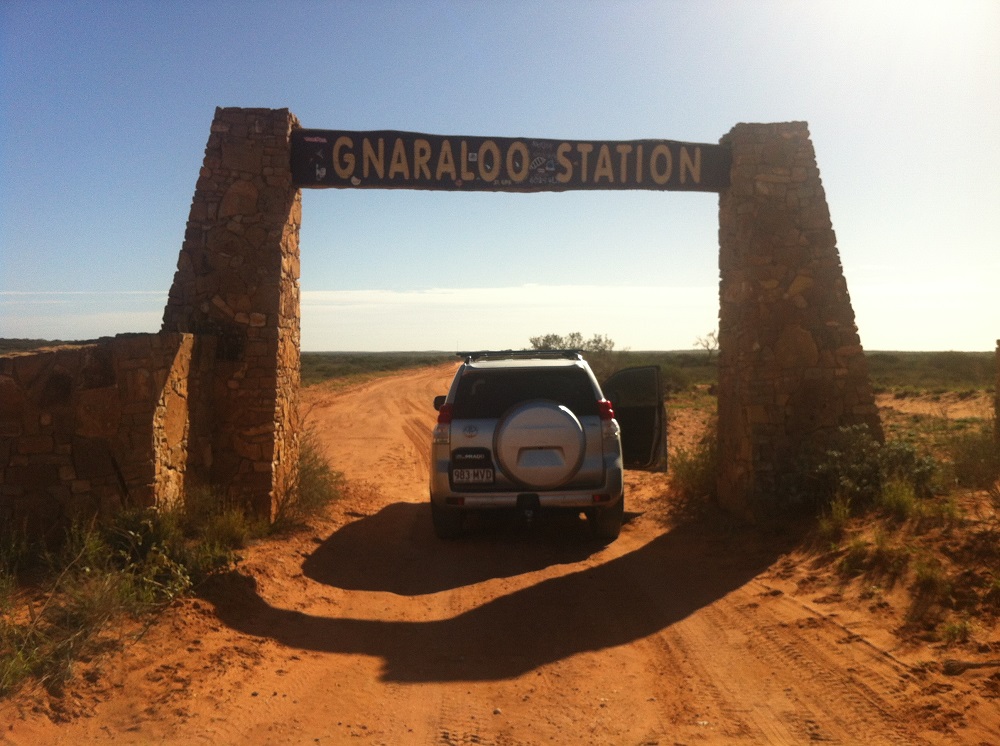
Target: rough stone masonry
<point x="792" y="370"/>
<point x="237" y="280"/>
<point x="86" y="430"/>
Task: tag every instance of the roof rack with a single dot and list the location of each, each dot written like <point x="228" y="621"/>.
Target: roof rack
<point x="522" y="354"/>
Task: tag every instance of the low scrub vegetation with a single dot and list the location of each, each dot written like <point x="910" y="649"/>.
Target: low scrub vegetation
<point x="909" y="373"/>
<point x="26" y="345"/>
<point x="58" y="606"/>
<point x="316" y="485"/>
<point x="136" y="564"/>
<point x="918" y="514"/>
<point x="894" y="513"/>
<point x="322" y="366"/>
<point x="974" y="456"/>
<point x="694" y="474"/>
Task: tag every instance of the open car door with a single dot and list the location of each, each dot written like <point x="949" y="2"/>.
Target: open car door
<point x="636" y="394"/>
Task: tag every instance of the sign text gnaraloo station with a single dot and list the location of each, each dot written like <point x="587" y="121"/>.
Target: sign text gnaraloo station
<point x="410" y="160"/>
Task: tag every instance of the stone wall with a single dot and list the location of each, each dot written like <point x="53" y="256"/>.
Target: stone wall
<point x="237" y="281"/>
<point x="86" y="430"/>
<point x="791" y="365"/>
<point x="996" y="398"/>
<point x="213" y="398"/>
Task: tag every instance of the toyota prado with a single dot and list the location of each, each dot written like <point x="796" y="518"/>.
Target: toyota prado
<point x="533" y="430"/>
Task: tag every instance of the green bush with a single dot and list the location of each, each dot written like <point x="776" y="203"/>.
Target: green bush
<point x="975" y="456"/>
<point x="956" y="631"/>
<point x="900" y="462"/>
<point x="855" y="558"/>
<point x="856" y="467"/>
<point x="316" y="486"/>
<point x="930" y="580"/>
<point x="131" y="566"/>
<point x="899" y="500"/>
<point x="694" y="473"/>
<point x="99" y="574"/>
<point x="850" y="469"/>
<point x="888" y="561"/>
<point x="833" y="521"/>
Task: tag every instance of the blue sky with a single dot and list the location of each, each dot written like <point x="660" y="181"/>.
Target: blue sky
<point x="105" y="109"/>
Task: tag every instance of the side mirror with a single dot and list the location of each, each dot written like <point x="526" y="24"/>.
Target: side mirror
<point x="439" y="402"/>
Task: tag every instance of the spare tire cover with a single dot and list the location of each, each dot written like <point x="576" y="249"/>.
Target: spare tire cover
<point x="539" y="444"/>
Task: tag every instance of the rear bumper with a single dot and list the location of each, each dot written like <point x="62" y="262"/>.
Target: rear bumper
<point x="480" y="501"/>
<point x="606" y="494"/>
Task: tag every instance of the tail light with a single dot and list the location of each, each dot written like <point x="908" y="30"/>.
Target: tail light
<point x="442" y="431"/>
<point x="609" y="425"/>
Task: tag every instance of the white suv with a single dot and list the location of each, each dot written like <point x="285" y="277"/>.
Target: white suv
<point x="532" y="429"/>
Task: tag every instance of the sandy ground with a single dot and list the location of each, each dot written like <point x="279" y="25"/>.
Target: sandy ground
<point x="367" y="629"/>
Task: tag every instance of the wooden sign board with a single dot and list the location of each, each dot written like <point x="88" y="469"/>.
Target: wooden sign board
<point x="410" y="160"/>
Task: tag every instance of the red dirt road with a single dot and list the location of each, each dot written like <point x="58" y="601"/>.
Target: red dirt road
<point x="369" y="630"/>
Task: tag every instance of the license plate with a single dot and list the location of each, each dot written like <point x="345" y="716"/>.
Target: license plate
<point x="472" y="476"/>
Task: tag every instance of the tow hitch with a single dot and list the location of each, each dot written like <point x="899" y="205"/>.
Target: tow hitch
<point x="527" y="506"/>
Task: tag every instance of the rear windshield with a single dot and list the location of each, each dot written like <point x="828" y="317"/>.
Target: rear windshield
<point x="488" y="394"/>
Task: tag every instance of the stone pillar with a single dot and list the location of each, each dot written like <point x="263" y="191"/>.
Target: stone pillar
<point x="237" y="281"/>
<point x="996" y="398"/>
<point x="791" y="366"/>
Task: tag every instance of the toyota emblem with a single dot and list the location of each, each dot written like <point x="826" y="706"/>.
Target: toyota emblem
<point x="470" y="431"/>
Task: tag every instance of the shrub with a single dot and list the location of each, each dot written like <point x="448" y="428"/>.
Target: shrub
<point x="316" y="486"/>
<point x="230" y="528"/>
<point x="930" y="580"/>
<point x="99" y="574"/>
<point x="694" y="473"/>
<point x="674" y="379"/>
<point x="956" y="631"/>
<point x="135" y="564"/>
<point x="943" y="511"/>
<point x="899" y="500"/>
<point x="131" y="566"/>
<point x="975" y="457"/>
<point x="888" y="561"/>
<point x="833" y="522"/>
<point x="856" y="467"/>
<point x="899" y="461"/>
<point x="850" y="468"/>
<point x="855" y="559"/>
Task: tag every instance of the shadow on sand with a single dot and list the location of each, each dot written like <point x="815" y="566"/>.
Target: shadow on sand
<point x="396" y="551"/>
<point x="622" y="600"/>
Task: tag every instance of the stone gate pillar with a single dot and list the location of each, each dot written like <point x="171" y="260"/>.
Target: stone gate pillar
<point x="791" y="366"/>
<point x="996" y="399"/>
<point x="236" y="286"/>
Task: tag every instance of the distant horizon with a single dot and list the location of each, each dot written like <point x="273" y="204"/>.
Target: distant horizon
<point x="689" y="350"/>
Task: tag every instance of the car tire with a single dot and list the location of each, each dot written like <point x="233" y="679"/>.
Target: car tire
<point x="606" y="523"/>
<point x="540" y="444"/>
<point x="448" y="522"/>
